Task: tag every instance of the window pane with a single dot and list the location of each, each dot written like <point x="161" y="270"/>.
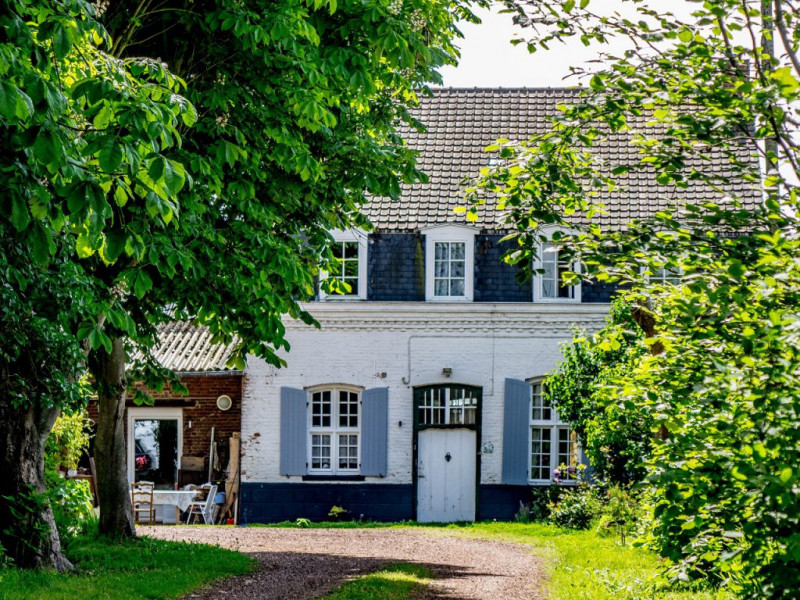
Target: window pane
<point x="441" y="251"/>
<point x="320" y="451"/>
<point x="321" y="409"/>
<point x="351" y="268"/>
<point x="348" y="451"/>
<point x="457" y="250"/>
<point x="348" y="409"/>
<point x="442" y="268"/>
<point x="567" y="447"/>
<point x="540" y="453"/>
<point x="350" y="250"/>
<point x="456" y="287"/>
<point x="457" y="268"/>
<point x="440" y="287"/>
<point x="540" y="409"/>
<point x="431" y="407"/>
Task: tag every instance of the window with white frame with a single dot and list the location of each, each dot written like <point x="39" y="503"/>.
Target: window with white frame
<point x="549" y="285"/>
<point x="349" y="250"/>
<point x="334" y="431"/>
<point x="449" y="263"/>
<point x="552" y="442"/>
<point x="447" y="405"/>
<point x="665" y="275"/>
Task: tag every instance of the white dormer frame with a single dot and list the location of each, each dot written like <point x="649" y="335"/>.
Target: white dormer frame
<point x="538" y="286"/>
<point x="350" y="235"/>
<point x="452" y="234"/>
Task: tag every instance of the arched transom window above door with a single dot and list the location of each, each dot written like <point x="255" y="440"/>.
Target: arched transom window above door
<point x="442" y="405"/>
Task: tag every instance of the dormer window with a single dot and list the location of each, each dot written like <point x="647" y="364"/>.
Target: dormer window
<point x="549" y="286"/>
<point x="449" y="263"/>
<point x="350" y="251"/>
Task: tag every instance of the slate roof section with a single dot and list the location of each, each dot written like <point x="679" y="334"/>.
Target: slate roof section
<point x="462" y="122"/>
<point x="186" y="348"/>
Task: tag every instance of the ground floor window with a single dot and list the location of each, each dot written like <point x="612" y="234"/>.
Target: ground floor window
<point x="334" y="430"/>
<point x="552" y="442"/>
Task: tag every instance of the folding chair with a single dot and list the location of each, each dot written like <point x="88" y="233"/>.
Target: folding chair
<point x="204" y="508"/>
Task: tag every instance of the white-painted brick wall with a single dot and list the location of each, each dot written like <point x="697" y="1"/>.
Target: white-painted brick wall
<point x="483" y="344"/>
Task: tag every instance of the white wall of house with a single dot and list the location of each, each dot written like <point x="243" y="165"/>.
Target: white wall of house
<point x="410" y="343"/>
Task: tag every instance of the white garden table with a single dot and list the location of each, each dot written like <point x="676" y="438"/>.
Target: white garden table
<point x="180" y="499"/>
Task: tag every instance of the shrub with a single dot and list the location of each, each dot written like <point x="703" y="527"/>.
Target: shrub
<point x="625" y="513"/>
<point x="337" y="513"/>
<point x="577" y="508"/>
<point x="70" y="499"/>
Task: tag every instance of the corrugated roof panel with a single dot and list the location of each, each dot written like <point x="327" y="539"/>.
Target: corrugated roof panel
<point x="184" y="347"/>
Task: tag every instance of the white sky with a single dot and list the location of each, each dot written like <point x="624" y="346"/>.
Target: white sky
<point x="489" y="60"/>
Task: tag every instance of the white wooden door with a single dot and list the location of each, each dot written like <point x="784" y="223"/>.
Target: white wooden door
<point x="446" y="475"/>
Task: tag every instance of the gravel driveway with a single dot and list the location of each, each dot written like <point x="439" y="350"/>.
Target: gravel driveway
<point x="300" y="564"/>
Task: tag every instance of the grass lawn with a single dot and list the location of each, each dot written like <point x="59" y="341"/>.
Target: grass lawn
<point x="584" y="565"/>
<point x="581" y="565"/>
<point x="134" y="570"/>
<point x="398" y="582"/>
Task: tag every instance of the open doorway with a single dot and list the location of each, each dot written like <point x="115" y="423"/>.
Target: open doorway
<point x="155" y="445"/>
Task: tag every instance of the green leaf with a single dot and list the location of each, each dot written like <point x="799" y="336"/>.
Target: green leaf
<point x="115" y="244"/>
<point x="110" y="156"/>
<point x="596" y="83"/>
<point x="785" y="475"/>
<point x="83" y="246"/>
<point x="685" y="36"/>
<point x="61" y="42"/>
<point x="103" y="118"/>
<point x="14" y="102"/>
<point x="174" y="176"/>
<point x="42" y="245"/>
<point x="20" y="216"/>
<point x="142" y="284"/>
<point x="47" y="147"/>
<point x="157" y="168"/>
<point x="189" y="116"/>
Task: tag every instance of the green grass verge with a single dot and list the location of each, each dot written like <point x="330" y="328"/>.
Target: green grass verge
<point x="398" y="582"/>
<point x="583" y="565"/>
<point x="138" y="569"/>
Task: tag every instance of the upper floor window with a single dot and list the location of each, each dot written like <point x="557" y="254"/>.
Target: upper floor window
<point x="349" y="250"/>
<point x="662" y="275"/>
<point x="334" y="430"/>
<point x="552" y="442"/>
<point x="449" y="263"/>
<point x="549" y="286"/>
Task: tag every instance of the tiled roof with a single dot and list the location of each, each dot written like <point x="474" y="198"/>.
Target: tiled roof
<point x="462" y="122"/>
<point x="184" y="347"/>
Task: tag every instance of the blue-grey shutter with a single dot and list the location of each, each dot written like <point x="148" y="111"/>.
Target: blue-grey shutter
<point x="584" y="459"/>
<point x="294" y="431"/>
<point x="516" y="423"/>
<point x="374" y="431"/>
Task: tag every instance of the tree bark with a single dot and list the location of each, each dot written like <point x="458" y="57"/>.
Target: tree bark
<point x="28" y="536"/>
<point x="113" y="492"/>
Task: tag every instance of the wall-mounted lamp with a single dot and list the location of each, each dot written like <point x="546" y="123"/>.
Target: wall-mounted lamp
<point x="447" y="371"/>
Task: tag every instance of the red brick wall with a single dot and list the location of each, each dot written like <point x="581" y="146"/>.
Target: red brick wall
<point x="200" y="412"/>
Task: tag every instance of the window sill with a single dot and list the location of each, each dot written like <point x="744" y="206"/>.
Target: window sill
<point x="322" y="477"/>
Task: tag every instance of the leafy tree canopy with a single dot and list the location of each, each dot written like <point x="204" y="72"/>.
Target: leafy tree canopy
<point x="704" y="98"/>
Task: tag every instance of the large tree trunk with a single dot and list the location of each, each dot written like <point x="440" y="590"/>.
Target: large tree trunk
<point x="113" y="492"/>
<point x="27" y="530"/>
